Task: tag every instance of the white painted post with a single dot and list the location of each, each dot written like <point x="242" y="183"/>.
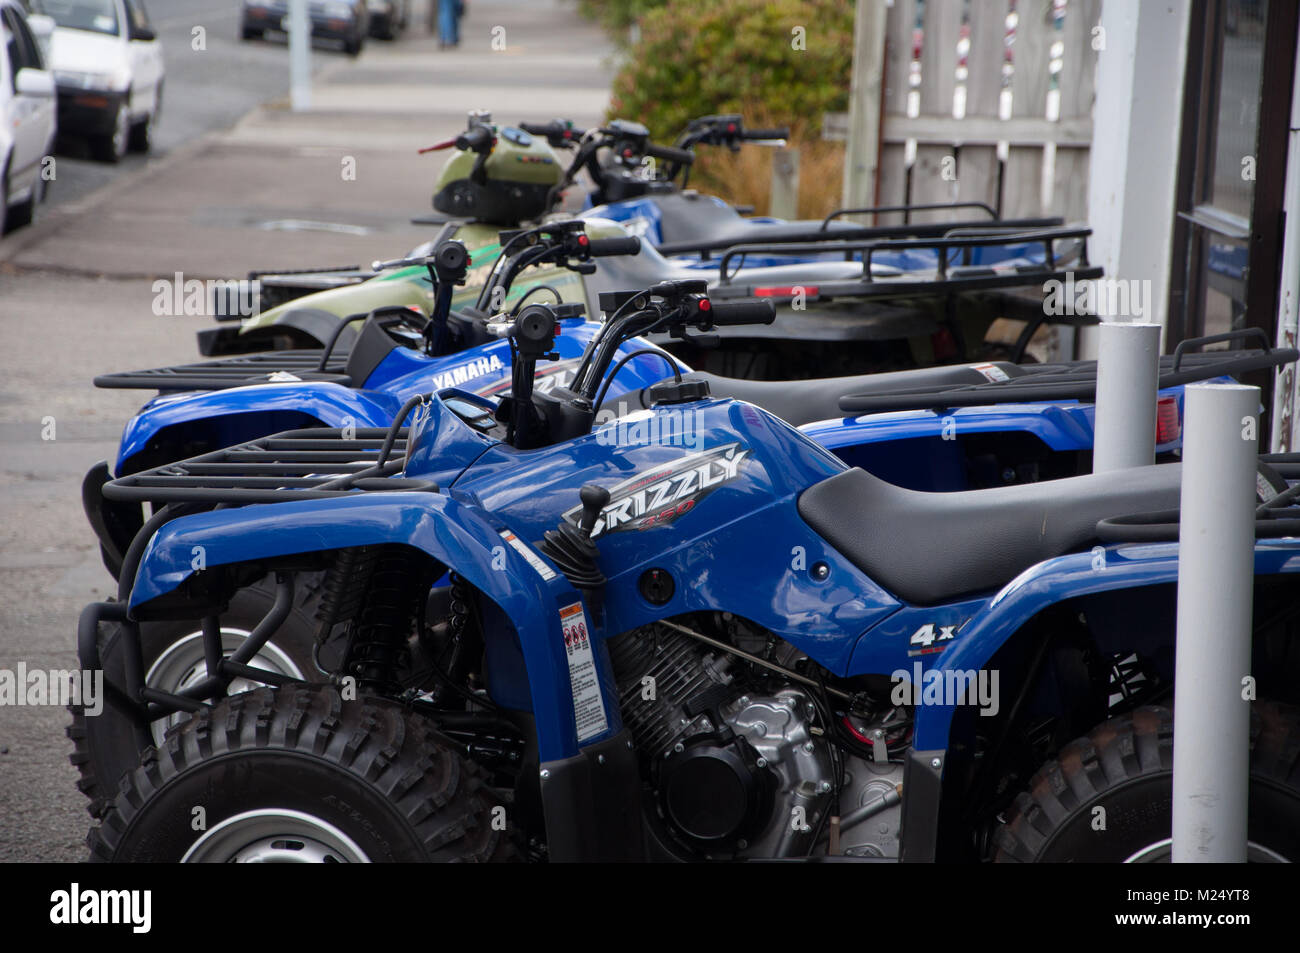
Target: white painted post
<point x="862" y="153"/>
<point x="299" y="56"/>
<point x="784" y="201"/>
<point x="1128" y="372"/>
<point x="1216" y="543"/>
<point x="1141" y="61"/>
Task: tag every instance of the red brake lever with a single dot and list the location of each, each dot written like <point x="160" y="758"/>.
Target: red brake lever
<point x="445" y="144"/>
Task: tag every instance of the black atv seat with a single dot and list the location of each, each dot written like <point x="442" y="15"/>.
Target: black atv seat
<point x="802" y="402"/>
<point x="930" y="548"/>
<point x="744" y="232"/>
<point x="689" y="222"/>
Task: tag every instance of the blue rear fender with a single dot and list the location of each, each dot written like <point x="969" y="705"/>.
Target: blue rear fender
<point x="455" y="534"/>
<point x="224" y="418"/>
<point x="1061" y="426"/>
<point x="1124" y="566"/>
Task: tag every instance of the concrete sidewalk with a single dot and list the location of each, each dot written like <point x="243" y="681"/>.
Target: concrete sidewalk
<point x="276" y="190"/>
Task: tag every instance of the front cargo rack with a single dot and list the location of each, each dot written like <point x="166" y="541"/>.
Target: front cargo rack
<point x="1077" y="380"/>
<point x="307" y="464"/>
<point x="266" y="367"/>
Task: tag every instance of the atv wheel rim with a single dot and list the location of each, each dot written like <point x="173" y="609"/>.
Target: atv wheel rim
<point x="1161" y="852"/>
<point x="182" y="664"/>
<point x="275" y="836"/>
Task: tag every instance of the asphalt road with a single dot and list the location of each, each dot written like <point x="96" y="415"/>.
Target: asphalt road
<point x="204" y="89"/>
<point x="49" y="565"/>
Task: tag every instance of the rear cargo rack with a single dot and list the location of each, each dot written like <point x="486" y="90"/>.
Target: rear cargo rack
<point x="948" y="275"/>
<point x="908" y="229"/>
<point x="1274" y="519"/>
<point x="1076" y="380"/>
<point x="307" y="464"/>
<point x="266" y="367"/>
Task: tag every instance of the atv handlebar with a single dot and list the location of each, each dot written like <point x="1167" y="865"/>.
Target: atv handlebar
<point x="476" y="139"/>
<point x="669" y="154"/>
<point x="612" y="247"/>
<point x="780" y="132"/>
<point x="557" y="132"/>
<point x="731" y="313"/>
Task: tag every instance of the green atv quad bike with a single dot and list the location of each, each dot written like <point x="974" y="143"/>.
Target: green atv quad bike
<point x="497" y="178"/>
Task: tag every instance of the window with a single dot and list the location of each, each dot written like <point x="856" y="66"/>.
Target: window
<point x="10" y="37"/>
<point x="29" y="52"/>
<point x="135" y="12"/>
<point x="95" y="16"/>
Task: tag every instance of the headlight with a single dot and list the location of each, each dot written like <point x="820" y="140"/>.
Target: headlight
<point x="111" y="82"/>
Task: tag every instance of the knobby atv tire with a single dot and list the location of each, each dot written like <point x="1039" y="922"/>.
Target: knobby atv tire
<point x="1125" y="766"/>
<point x="108" y="745"/>
<point x="377" y="772"/>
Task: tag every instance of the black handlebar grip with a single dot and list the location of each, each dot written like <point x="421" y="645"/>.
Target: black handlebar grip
<point x="557" y="132"/>
<point x="609" y="247"/>
<point x="753" y="311"/>
<point x="669" y="154"/>
<point x="780" y="133"/>
<point x="477" y="139"/>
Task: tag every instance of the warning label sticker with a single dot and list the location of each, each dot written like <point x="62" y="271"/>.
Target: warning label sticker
<point x="991" y="372"/>
<point x="588" y="706"/>
<point x="523" y="549"/>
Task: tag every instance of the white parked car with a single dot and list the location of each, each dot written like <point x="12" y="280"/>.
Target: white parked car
<point x="27" y="118"/>
<point x="108" y="67"/>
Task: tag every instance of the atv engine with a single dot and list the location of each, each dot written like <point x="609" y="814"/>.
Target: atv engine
<point x="732" y="768"/>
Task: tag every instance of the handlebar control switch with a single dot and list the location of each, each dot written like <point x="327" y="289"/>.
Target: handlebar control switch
<point x="678" y="392"/>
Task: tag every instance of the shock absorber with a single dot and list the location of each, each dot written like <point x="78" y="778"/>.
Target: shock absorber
<point x="380" y="590"/>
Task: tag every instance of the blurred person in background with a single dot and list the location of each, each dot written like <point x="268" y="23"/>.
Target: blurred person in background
<point x="449" y="14"/>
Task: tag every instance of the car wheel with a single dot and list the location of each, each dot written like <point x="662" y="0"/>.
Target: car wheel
<point x="24" y="213"/>
<point x="139" y="141"/>
<point x="113" y="147"/>
<point x="354" y="44"/>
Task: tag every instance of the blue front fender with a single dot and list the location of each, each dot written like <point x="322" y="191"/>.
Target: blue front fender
<point x="457" y="535"/>
<point x="245" y="413"/>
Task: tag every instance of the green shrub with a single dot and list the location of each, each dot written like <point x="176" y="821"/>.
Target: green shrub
<point x="711" y="56"/>
<point x="617" y="14"/>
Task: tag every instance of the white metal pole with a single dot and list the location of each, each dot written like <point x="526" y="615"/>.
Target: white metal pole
<point x="1216" y="544"/>
<point x="1128" y="370"/>
<point x="299" y="56"/>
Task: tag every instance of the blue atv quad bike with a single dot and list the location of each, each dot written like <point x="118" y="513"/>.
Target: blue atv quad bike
<point x="503" y="176"/>
<point x="701" y="637"/>
<point x="959" y="447"/>
<point x="643" y="185"/>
